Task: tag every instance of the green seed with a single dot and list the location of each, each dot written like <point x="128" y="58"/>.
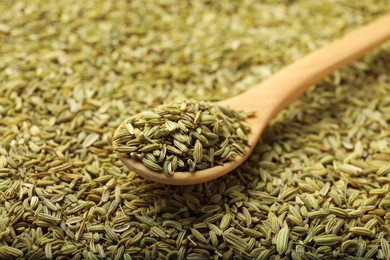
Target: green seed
<point x="282" y="239"/>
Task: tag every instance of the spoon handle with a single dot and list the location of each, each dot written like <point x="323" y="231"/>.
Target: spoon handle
<point x="291" y="82"/>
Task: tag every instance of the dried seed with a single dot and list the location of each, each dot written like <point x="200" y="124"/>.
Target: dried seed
<point x="8" y="251"/>
<point x="235" y="241"/>
<point x="327" y="240"/>
<point x="111" y="234"/>
<point x="385" y="246"/>
<point x="225" y="222"/>
<point x="151" y="165"/>
<point x="198" y="236"/>
<point x="252" y="232"/>
<point x="363" y="231"/>
<point x="158" y="232"/>
<point x="48" y="218"/>
<point x="282" y="240"/>
<point x="338" y="212"/>
<point x="198" y="152"/>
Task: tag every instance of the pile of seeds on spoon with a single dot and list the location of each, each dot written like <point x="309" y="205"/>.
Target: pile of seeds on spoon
<point x="188" y="136"/>
<point x="315" y="187"/>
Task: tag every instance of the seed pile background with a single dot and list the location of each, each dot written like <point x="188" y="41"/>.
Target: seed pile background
<point x="70" y="71"/>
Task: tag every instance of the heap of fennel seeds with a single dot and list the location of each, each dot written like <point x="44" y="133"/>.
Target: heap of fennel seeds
<point x="187" y="136"/>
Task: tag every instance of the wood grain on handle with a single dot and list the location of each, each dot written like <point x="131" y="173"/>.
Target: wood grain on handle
<point x="291" y="82"/>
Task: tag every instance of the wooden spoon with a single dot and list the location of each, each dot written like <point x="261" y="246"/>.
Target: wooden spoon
<point x="273" y="94"/>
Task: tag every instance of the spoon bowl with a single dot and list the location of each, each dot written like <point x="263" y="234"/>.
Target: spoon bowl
<point x="189" y="178"/>
<point x="273" y="94"/>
